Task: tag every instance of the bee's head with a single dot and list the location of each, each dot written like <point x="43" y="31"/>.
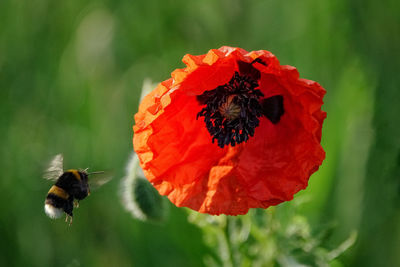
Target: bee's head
<point x="84" y="175"/>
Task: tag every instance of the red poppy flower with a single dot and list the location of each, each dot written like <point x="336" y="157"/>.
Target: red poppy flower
<point x="233" y="130"/>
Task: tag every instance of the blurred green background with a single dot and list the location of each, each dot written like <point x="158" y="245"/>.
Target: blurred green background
<point x="70" y="79"/>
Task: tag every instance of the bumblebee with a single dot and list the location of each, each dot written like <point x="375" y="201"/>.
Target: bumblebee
<point x="70" y="187"/>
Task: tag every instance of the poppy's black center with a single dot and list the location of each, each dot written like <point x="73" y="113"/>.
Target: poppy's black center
<point x="232" y="110"/>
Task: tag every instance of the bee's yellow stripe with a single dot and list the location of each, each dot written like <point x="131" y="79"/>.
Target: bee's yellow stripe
<point x="76" y="174"/>
<point x="58" y="192"/>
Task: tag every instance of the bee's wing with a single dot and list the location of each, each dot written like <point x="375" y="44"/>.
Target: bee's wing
<point x="55" y="168"/>
<point x="97" y="179"/>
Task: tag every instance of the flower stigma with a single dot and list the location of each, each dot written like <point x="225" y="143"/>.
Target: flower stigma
<point x="229" y="109"/>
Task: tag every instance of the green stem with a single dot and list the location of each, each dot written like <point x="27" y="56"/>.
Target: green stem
<point x="228" y="241"/>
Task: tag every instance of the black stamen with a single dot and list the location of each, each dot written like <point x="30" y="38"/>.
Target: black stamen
<point x="232" y="110"/>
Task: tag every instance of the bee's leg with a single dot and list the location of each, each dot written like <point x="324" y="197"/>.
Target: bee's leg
<point x="70" y="219"/>
<point x="76" y="204"/>
<point x="68" y="207"/>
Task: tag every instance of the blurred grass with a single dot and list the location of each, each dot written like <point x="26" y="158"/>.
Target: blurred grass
<point x="70" y="79"/>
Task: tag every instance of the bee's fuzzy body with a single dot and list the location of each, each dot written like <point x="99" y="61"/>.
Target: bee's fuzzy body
<point x="71" y="185"/>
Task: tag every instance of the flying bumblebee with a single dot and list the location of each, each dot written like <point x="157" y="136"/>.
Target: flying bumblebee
<point x="70" y="187"/>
